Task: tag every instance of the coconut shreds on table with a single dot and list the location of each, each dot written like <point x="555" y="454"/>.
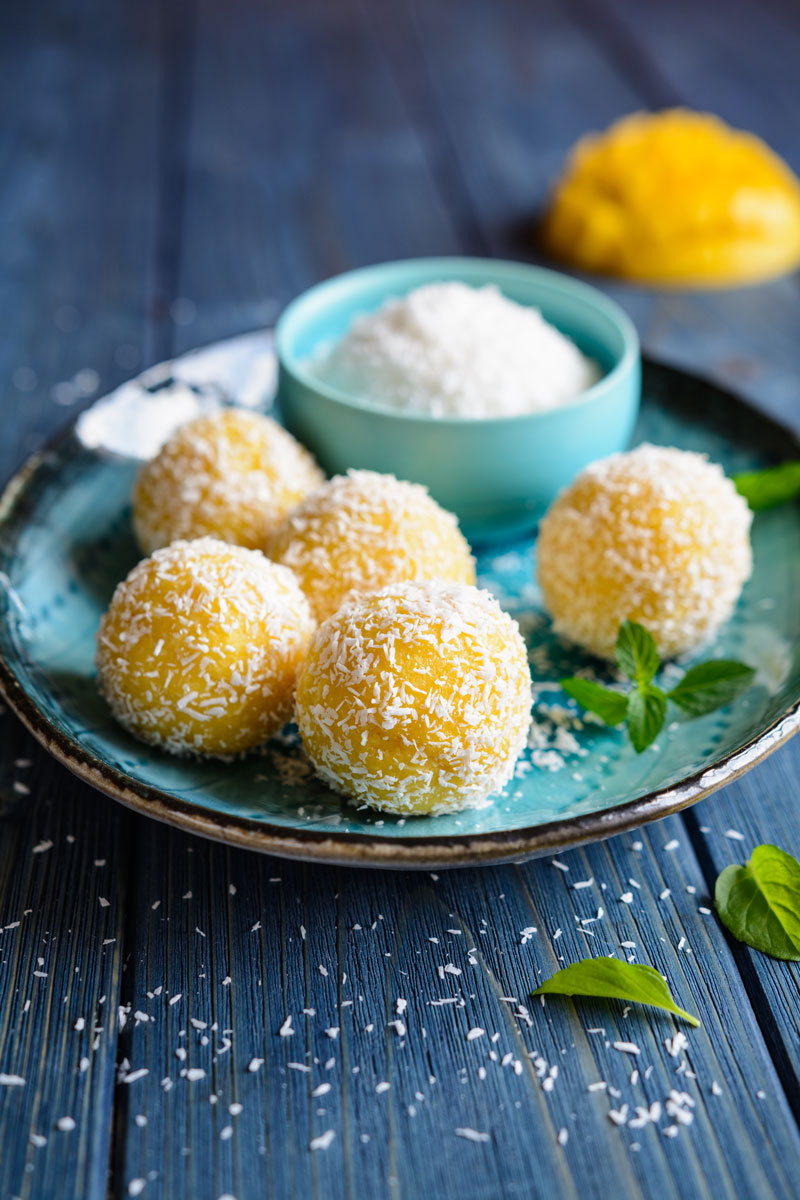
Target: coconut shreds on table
<point x="416" y="692"/>
<point x="452" y="350"/>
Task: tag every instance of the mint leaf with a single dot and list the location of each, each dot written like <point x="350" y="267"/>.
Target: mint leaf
<point x="610" y="978"/>
<point x="606" y="703"/>
<point x="760" y="902"/>
<point x="647" y="708"/>
<point x="636" y="653"/>
<point x="774" y="485"/>
<point x="711" y="685"/>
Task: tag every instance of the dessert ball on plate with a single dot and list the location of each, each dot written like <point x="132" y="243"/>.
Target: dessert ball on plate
<point x="655" y="535"/>
<point x="417" y="698"/>
<point x="363" y="531"/>
<point x="232" y="474"/>
<point x="200" y="647"/>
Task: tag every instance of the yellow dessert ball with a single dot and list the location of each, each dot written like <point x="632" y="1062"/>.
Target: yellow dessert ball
<point x="417" y="698"/>
<point x="363" y="531"/>
<point x="200" y="648"/>
<point x="676" y="197"/>
<point x="658" y="536"/>
<point x="232" y="474"/>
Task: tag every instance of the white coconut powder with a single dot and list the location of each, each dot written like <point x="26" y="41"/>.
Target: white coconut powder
<point x="450" y="350"/>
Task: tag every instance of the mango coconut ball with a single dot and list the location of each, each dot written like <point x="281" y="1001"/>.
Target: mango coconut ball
<point x="232" y="474"/>
<point x="416" y="699"/>
<point x="676" y="198"/>
<point x="363" y="531"/>
<point x="655" y="535"/>
<point x="199" y="650"/>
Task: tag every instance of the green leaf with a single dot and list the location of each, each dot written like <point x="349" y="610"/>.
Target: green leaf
<point x="647" y="708"/>
<point x="610" y="978"/>
<point x="636" y="653"/>
<point x="760" y="902"/>
<point x="711" y="685"/>
<point x="775" y="485"/>
<point x="606" y="703"/>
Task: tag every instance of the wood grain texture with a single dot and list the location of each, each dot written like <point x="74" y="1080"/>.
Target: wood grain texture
<point x="61" y="949"/>
<point x="78" y="145"/>
<point x="214" y="161"/>
<point x="246" y="942"/>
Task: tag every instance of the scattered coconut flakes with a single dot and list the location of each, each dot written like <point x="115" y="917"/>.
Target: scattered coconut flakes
<point x="675" y="1045"/>
<point x="134" y="1075"/>
<point x="472" y="1135"/>
<point x="323" y="1141"/>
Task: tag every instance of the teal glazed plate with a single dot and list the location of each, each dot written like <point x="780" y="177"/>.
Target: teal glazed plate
<point x="65" y="541"/>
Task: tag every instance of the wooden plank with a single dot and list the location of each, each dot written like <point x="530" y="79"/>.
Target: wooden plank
<point x="75" y="286"/>
<point x="301" y="163"/>
<point x="61" y="948"/>
<point x="78" y="145"/>
<point x="258" y="941"/>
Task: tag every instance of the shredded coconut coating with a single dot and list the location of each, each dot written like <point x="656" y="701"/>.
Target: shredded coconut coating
<point x="199" y="650"/>
<point x="451" y="350"/>
<point x="417" y="698"/>
<point x="655" y="535"/>
<point x="363" y="531"/>
<point x="233" y="475"/>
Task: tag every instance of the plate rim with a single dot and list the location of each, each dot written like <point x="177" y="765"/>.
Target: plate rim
<point x="362" y="849"/>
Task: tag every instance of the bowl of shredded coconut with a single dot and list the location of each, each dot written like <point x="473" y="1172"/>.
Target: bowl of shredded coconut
<point x="492" y="383"/>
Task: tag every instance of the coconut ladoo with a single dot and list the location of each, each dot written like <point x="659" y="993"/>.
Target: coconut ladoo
<point x="199" y="650"/>
<point x="363" y="531"/>
<point x="416" y="699"/>
<point x="656" y="535"/>
<point x="232" y="474"/>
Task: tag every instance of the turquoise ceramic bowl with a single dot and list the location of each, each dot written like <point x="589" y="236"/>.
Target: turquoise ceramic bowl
<point x="498" y="475"/>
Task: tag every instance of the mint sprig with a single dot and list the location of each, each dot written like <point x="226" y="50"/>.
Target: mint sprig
<point x="773" y="485"/>
<point x="704" y="688"/>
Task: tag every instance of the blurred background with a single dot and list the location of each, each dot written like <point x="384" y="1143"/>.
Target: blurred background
<point x="176" y="171"/>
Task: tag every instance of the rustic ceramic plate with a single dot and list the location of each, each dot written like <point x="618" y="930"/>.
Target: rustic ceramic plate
<point x="65" y="541"/>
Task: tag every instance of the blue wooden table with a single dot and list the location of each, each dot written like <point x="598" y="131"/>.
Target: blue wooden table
<point x="173" y="172"/>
